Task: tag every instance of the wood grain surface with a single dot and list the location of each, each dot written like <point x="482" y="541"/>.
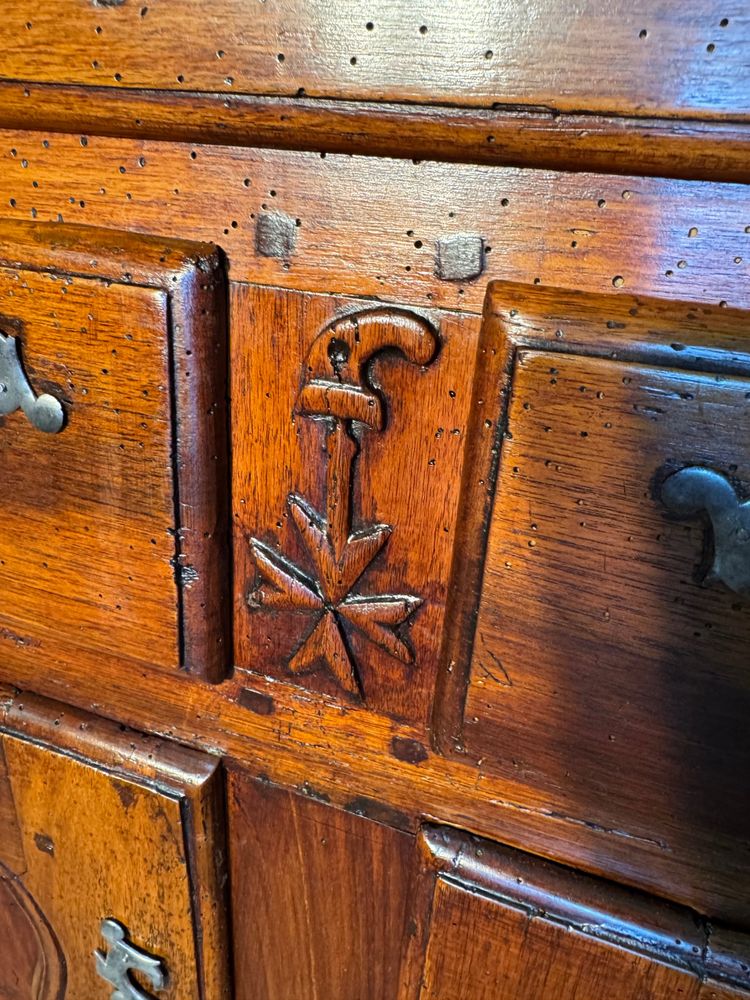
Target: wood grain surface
<point x="641" y="58"/>
<point x="594" y="639"/>
<point x="405" y="476"/>
<point x="371" y="227"/>
<point x="123" y="511"/>
<point x="33" y="967"/>
<point x="112" y="824"/>
<point x="321" y="897"/>
<point x="500" y="924"/>
<point x="505" y="136"/>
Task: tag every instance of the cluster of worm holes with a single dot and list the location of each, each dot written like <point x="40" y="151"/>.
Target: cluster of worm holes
<point x="710" y="47"/>
<point x="420" y="242"/>
<point x="280" y="57"/>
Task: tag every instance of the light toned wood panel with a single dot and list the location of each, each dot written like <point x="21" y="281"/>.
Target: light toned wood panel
<point x="624" y="57"/>
<point x="116" y="825"/>
<point x="96" y="500"/>
<point x="11" y="848"/>
<point x="129" y="332"/>
<point x="677" y="239"/>
<point x="320" y="897"/>
<point x="505" y="136"/>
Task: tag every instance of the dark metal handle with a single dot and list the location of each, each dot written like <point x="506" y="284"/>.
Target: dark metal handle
<point x="697" y="490"/>
<point x="45" y="412"/>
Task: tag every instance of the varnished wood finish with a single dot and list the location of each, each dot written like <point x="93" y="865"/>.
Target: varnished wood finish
<point x="624" y="58"/>
<point x="694" y="150"/>
<point x="33" y="967"/>
<point x="368" y="227"/>
<point x="357" y="758"/>
<point x="116" y="532"/>
<point x="388" y="659"/>
<point x="318" y="894"/>
<point x="590" y="614"/>
<point x="113" y="824"/>
<point x="498" y="924"/>
<point x="428" y="628"/>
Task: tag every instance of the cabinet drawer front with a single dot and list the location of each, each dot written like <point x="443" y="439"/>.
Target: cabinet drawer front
<point x="604" y="668"/>
<point x="491" y="922"/>
<point x="113" y="535"/>
<point x="95" y="855"/>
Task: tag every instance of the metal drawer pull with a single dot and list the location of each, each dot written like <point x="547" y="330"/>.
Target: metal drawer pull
<point x="696" y="490"/>
<point x="123" y="958"/>
<point x="45" y="412"/>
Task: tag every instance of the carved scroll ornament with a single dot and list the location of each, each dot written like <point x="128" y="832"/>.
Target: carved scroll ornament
<point x="337" y="390"/>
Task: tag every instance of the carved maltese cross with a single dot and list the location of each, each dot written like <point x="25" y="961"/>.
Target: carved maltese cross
<point x="337" y="390"/>
<point x="377" y="617"/>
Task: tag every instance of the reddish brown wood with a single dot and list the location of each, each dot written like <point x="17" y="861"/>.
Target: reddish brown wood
<point x="339" y="564"/>
<point x="367" y="227"/>
<point x="122" y="513"/>
<point x="33" y="967"/>
<point x="500" y="924"/>
<point x="321" y="898"/>
<point x="505" y="136"/>
<point x="588" y="641"/>
<point x="363" y="484"/>
<point x="629" y="59"/>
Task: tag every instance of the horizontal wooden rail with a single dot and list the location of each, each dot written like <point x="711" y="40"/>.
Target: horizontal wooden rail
<point x="693" y="150"/>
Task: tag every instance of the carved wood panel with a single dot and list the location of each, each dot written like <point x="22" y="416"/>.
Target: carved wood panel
<point x="349" y="427"/>
<point x="32" y="966"/>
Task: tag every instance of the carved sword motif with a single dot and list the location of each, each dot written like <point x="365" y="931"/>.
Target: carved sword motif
<point x="45" y="412"/>
<point x="123" y="958"/>
<point x="337" y="389"/>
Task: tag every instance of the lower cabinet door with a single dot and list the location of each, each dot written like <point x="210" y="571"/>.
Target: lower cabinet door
<point x="492" y="924"/>
<point x="111" y="861"/>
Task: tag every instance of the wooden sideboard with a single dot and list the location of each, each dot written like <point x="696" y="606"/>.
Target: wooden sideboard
<point x="374" y="422"/>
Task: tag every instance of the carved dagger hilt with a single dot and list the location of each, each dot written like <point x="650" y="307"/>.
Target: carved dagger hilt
<point x="337" y="388"/>
<point x="696" y="490"/>
<point x="337" y="372"/>
<point x="337" y="384"/>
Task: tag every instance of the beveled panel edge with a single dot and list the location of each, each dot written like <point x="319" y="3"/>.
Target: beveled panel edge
<point x="626" y="918"/>
<point x="510" y="136"/>
<point x="564" y="321"/>
<point x="103" y="743"/>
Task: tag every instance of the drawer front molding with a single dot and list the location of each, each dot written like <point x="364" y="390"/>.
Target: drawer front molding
<point x="336" y="388"/>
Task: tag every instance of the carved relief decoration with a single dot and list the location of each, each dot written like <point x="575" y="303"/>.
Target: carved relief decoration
<point x="337" y="390"/>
